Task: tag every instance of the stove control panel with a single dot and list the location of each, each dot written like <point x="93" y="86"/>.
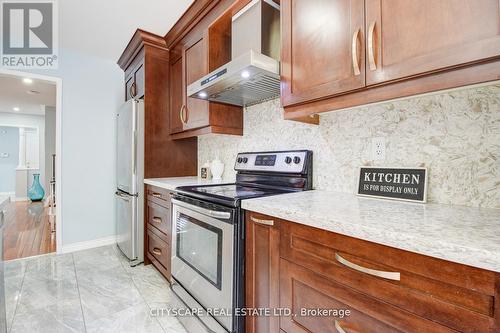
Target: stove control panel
<point x="284" y="162"/>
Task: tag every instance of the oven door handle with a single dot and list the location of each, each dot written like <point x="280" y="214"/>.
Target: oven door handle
<point x="208" y="212"/>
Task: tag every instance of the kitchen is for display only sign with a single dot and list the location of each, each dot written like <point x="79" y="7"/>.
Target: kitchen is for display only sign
<point x="407" y="184"/>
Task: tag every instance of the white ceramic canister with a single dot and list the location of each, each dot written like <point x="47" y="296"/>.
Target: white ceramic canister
<point x="217" y="168"/>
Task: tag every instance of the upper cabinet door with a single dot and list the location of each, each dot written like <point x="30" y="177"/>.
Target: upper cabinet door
<point x="322" y="48"/>
<point x="139" y="81"/>
<point x="176" y="97"/>
<point x="196" y="113"/>
<point x="129" y="87"/>
<point x="408" y="37"/>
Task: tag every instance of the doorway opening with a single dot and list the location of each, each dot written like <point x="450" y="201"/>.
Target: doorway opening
<point x="29" y="163"/>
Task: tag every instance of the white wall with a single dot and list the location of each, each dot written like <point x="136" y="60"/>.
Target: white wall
<point x="455" y="134"/>
<point x="92" y="91"/>
<point x="38" y="122"/>
<point x="9" y="145"/>
<point x="50" y="143"/>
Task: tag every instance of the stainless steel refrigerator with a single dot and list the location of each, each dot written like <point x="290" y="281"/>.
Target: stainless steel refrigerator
<point x="129" y="195"/>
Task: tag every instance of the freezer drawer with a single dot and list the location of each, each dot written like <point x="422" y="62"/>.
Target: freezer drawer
<point x="126" y="224"/>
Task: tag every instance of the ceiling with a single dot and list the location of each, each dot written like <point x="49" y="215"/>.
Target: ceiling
<point x="97" y="28"/>
<point x="14" y="93"/>
<point x="104" y="28"/>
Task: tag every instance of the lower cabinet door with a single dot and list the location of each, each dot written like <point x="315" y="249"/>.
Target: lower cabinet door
<point x="262" y="271"/>
<point x="319" y="305"/>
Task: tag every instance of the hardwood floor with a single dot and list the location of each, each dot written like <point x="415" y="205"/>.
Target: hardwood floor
<point x="27" y="231"/>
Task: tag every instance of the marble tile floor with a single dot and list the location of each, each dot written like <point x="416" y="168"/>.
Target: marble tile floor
<point x="88" y="291"/>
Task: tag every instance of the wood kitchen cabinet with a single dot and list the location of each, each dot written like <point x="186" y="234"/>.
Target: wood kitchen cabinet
<point x="262" y="270"/>
<point x="403" y="48"/>
<point x="304" y="289"/>
<point x="176" y="96"/>
<point x="385" y="289"/>
<point x="406" y="37"/>
<point x="195" y="65"/>
<point x="322" y="50"/>
<point x="201" y="52"/>
<point x="145" y="62"/>
<point x="158" y="229"/>
<point x="134" y="80"/>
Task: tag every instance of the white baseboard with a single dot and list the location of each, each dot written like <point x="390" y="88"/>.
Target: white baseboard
<point x="79" y="246"/>
<point x="12" y="195"/>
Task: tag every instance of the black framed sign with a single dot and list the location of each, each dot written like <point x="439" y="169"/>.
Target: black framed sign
<point x="407" y="184"/>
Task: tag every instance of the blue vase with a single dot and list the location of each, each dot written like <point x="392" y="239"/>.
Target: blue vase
<point x="36" y="192"/>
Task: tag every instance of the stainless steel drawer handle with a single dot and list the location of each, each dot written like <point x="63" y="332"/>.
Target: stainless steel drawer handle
<point x="157" y="219"/>
<point x="260" y="221"/>
<point x="157" y="251"/>
<point x="156" y="195"/>
<point x="339" y="328"/>
<point x="386" y="275"/>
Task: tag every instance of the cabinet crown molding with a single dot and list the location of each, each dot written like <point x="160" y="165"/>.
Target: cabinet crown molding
<point x="139" y="39"/>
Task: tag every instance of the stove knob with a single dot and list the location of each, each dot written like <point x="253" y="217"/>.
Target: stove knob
<point x="245" y="159"/>
<point x="296" y="160"/>
<point x="288" y="160"/>
<point x="239" y="159"/>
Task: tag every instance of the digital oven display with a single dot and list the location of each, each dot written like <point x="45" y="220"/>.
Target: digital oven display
<point x="268" y="160"/>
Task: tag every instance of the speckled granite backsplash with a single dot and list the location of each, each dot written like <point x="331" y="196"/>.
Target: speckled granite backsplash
<point x="455" y="134"/>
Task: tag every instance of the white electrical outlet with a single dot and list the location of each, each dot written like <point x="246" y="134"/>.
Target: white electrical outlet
<point x="378" y="149"/>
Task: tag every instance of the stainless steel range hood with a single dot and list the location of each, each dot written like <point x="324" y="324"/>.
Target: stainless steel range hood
<point x="252" y="76"/>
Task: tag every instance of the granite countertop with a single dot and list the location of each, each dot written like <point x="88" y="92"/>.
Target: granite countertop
<point x="465" y="235"/>
<point x="4" y="201"/>
<point x="173" y="182"/>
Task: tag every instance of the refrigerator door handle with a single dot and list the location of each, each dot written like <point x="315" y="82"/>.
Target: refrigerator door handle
<point x="123" y="196"/>
<point x="134" y="134"/>
<point x="134" y="155"/>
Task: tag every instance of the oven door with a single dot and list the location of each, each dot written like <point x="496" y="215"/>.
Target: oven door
<point x="203" y="254"/>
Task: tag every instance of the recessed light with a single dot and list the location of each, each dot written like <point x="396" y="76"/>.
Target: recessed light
<point x="203" y="94"/>
<point x="15" y="108"/>
<point x="27" y="80"/>
<point x="245" y="74"/>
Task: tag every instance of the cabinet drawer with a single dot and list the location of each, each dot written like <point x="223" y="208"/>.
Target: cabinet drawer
<point x="159" y="249"/>
<point x="159" y="218"/>
<point x="158" y="195"/>
<point x="302" y="290"/>
<point x="458" y="296"/>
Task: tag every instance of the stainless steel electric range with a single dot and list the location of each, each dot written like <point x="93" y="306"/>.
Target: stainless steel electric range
<point x="208" y="258"/>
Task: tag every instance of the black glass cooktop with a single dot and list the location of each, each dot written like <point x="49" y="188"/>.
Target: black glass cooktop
<point x="228" y="193"/>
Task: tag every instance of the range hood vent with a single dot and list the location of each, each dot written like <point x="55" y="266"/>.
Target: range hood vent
<point x="252" y="76"/>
